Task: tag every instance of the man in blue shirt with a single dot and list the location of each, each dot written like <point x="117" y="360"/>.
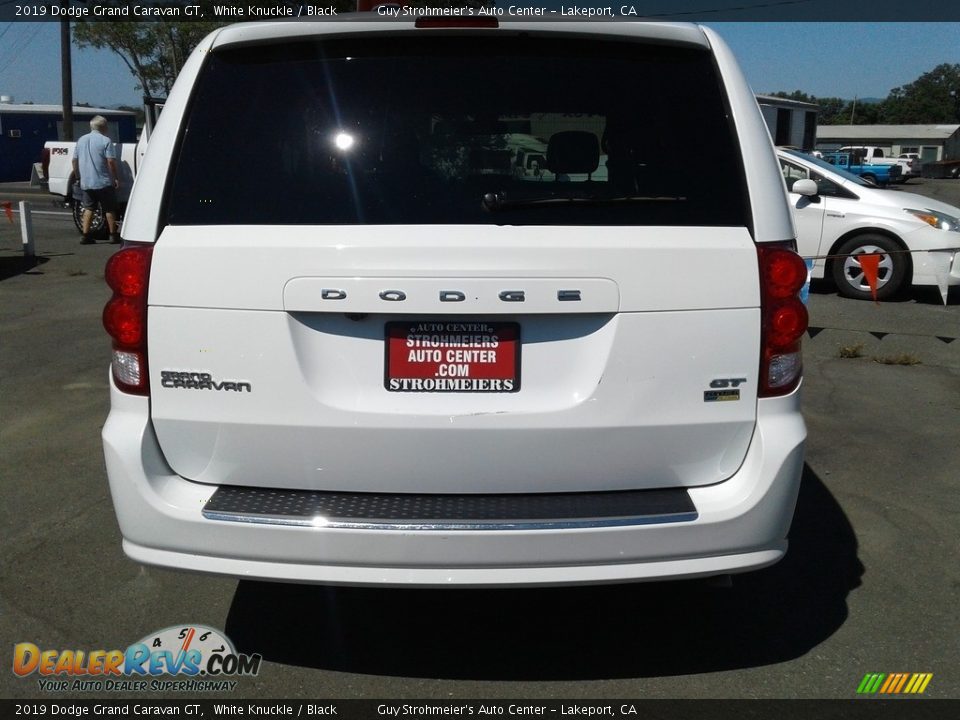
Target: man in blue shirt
<point x="95" y="163"/>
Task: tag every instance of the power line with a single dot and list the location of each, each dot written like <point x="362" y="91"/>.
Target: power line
<point x="21" y="44"/>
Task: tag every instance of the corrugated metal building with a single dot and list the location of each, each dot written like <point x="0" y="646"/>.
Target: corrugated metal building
<point x="931" y="142"/>
<point x="24" y="128"/>
<point x="790" y="122"/>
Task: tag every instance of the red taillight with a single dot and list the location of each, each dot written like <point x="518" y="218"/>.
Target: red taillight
<point x="123" y="320"/>
<point x="784" y="272"/>
<point x="782" y="275"/>
<point x="787" y="322"/>
<point x="127" y="272"/>
<point x="125" y="316"/>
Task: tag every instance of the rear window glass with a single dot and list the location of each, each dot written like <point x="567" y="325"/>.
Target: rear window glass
<point x="468" y="130"/>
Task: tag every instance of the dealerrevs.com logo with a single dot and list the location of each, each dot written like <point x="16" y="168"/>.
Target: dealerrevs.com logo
<point x="200" y="659"/>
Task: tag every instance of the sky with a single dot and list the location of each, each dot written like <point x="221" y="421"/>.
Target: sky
<point x="824" y="59"/>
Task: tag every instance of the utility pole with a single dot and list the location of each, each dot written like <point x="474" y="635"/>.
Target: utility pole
<point x="66" y="75"/>
<point x="853" y="110"/>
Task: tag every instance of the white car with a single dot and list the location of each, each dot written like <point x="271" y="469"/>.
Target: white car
<point x="838" y="214"/>
<point x="353" y="344"/>
<point x="916" y="165"/>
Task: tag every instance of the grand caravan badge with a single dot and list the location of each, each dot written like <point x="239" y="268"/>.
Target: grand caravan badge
<point x="200" y="381"/>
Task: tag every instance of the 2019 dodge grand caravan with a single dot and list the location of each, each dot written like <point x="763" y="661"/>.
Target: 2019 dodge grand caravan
<point x="358" y="339"/>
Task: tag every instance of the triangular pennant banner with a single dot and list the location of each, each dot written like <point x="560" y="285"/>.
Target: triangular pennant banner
<point x="947" y="340"/>
<point x="870" y="264"/>
<point x="814" y="331"/>
<point x="941" y="270"/>
<point x="879" y="335"/>
<point x="8" y="210"/>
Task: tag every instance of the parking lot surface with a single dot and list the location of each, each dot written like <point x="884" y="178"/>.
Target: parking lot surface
<point x="870" y="583"/>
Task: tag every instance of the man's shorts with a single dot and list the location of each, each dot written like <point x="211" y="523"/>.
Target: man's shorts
<point x="105" y="196"/>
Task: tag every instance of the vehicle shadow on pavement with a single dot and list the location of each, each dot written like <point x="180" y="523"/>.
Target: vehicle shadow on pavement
<point x="18" y="265"/>
<point x="928" y="295"/>
<point x="598" y="632"/>
<point x="920" y="294"/>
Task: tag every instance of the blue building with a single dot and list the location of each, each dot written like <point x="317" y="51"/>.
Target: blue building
<point x="25" y="128"/>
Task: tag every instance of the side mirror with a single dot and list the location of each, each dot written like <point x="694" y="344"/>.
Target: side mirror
<point x="806" y="187"/>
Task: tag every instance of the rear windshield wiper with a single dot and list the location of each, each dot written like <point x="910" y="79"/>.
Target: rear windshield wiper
<point x="496" y="201"/>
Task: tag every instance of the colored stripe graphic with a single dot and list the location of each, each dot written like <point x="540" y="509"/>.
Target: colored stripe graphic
<point x="894" y="683"/>
<point x="870" y="683"/>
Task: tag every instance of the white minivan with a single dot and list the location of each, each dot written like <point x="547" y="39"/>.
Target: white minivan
<point x="353" y="345"/>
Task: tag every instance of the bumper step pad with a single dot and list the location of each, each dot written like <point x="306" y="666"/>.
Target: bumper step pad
<point x="403" y="511"/>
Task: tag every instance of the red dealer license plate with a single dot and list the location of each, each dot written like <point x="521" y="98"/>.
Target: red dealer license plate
<point x="450" y="356"/>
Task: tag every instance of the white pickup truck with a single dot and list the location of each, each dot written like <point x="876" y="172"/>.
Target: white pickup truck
<point x="57" y="163"/>
<point x="873" y="155"/>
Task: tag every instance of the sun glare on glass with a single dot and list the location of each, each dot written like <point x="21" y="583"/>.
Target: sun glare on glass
<point x="343" y="141"/>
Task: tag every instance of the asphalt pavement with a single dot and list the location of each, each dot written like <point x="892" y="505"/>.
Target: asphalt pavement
<point x="870" y="583"/>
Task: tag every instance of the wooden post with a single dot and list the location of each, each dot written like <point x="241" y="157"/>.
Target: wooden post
<point x="26" y="230"/>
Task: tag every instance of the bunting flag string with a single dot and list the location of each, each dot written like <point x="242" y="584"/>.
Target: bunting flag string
<point x="870" y="263"/>
<point x="813" y="331"/>
<point x="8" y="210"/>
<point x="885" y="252"/>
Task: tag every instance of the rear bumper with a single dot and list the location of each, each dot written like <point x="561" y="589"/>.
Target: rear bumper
<point x="740" y="524"/>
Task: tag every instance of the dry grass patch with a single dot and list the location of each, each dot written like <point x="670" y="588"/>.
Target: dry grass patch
<point x="851" y="351"/>
<point x="901" y="359"/>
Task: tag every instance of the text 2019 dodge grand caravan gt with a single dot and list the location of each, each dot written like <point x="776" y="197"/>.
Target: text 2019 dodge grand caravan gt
<point x="416" y="305"/>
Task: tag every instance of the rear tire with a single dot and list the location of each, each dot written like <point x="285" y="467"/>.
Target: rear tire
<point x="849" y="277"/>
<point x="99" y="229"/>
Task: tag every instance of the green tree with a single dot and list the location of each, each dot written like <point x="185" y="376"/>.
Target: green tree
<point x="934" y="97"/>
<point x="155" y="51"/>
<point x="866" y="113"/>
<point x="931" y="98"/>
<point x="797" y="95"/>
<point x="833" y="111"/>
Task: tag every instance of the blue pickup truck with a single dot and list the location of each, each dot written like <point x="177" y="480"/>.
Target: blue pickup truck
<point x="874" y="173"/>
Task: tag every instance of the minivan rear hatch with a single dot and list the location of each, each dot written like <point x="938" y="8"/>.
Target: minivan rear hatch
<point x="468" y="262"/>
